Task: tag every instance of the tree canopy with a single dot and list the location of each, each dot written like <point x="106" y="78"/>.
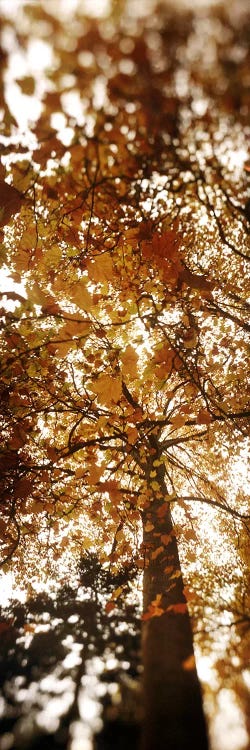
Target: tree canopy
<point x="124" y="212"/>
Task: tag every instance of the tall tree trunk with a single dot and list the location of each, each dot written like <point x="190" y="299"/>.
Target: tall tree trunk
<point x="174" y="718"/>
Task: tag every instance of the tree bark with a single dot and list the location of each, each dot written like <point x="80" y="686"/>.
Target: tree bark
<point x="174" y="718"/>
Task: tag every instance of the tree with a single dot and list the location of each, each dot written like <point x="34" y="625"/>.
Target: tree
<point x="67" y="629"/>
<point x="124" y="361"/>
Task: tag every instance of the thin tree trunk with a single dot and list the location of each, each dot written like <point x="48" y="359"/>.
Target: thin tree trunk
<point x="174" y="718"/>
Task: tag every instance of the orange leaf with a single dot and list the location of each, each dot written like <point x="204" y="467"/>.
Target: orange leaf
<point x="132" y="435"/>
<point x="112" y="487"/>
<point x="80" y="471"/>
<point x="189" y="663"/>
<point x="203" y="417"/>
<point x="153" y="609"/>
<point x="157" y="600"/>
<point x="161" y="512"/>
<point x="178" y="609"/>
<point x="166" y="539"/>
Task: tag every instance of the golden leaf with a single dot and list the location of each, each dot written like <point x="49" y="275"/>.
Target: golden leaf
<point x="132" y="435"/>
<point x="117" y="592"/>
<point x="81" y="296"/>
<point x="129" y="360"/>
<point x="95" y="472"/>
<point x="101" y="268"/>
<point x="80" y="471"/>
<point x="178" y="421"/>
<point x="108" y="389"/>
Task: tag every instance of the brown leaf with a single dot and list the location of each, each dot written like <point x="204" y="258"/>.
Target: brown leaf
<point x="10" y="202"/>
<point x="203" y="417"/>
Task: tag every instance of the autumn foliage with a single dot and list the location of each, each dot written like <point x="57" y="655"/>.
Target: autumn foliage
<point x="124" y="350"/>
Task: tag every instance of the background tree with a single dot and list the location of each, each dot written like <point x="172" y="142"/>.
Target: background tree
<point x="124" y="361"/>
<point x="54" y="650"/>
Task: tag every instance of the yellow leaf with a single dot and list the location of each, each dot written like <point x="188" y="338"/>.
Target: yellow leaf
<point x="190" y="535"/>
<point x="119" y="536"/>
<point x="81" y="296"/>
<point x="117" y="592"/>
<point x="101" y="268"/>
<point x="155" y="486"/>
<point x="28" y="239"/>
<point x="77" y="328"/>
<point x="85" y="542"/>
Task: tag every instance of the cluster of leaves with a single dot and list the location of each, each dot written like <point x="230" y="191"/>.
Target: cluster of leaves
<point x="131" y="241"/>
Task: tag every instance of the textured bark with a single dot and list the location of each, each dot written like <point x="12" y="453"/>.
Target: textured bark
<point x="174" y="718"/>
